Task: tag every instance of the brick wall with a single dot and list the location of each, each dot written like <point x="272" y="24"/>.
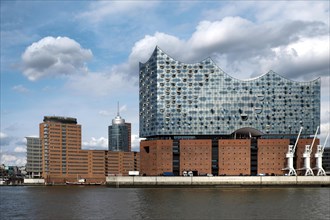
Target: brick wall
<point x="272" y="156"/>
<point x="156" y="157"/>
<point x="235" y="157"/>
<point x="196" y="155"/>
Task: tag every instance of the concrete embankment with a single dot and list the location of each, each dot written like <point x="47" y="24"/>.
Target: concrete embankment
<point x="216" y="181"/>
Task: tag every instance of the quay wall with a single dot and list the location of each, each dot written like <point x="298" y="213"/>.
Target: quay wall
<point x="216" y="181"/>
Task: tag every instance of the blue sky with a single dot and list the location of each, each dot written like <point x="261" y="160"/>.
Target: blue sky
<point x="78" y="58"/>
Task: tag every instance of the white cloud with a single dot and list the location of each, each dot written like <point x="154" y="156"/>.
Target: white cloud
<point x="12" y="160"/>
<point x="135" y="142"/>
<point x="3" y="135"/>
<point x="54" y="57"/>
<point x="224" y="35"/>
<point x="143" y="48"/>
<point x="20" y="89"/>
<point x="265" y="11"/>
<point x="5" y="139"/>
<point x="307" y="58"/>
<point x="240" y="43"/>
<point x="299" y="10"/>
<point x="105" y="113"/>
<point x="101" y="10"/>
<point x="20" y="149"/>
<point x="241" y="47"/>
<point x="96" y="143"/>
<point x="103" y="84"/>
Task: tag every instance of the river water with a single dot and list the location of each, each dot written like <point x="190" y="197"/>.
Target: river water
<point x="99" y="202"/>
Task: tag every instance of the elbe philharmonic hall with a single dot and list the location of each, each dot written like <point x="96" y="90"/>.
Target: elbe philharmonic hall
<point x="193" y="117"/>
<point x="196" y="117"/>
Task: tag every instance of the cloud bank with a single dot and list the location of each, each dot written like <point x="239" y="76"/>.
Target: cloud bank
<point x="102" y="10"/>
<point x="54" y="57"/>
<point x="295" y="49"/>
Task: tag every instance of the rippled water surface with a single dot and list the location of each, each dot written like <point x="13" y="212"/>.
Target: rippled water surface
<point x="74" y="202"/>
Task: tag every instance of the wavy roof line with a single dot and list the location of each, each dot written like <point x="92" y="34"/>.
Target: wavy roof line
<point x="157" y="48"/>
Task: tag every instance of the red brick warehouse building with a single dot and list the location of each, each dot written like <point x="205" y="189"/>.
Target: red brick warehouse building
<point x="63" y="159"/>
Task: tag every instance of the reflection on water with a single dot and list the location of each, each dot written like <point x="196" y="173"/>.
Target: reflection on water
<point x="65" y="202"/>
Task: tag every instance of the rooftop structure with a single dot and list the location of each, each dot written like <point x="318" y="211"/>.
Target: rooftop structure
<point x="64" y="120"/>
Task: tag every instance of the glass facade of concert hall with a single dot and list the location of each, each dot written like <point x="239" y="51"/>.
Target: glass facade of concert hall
<point x="181" y="99"/>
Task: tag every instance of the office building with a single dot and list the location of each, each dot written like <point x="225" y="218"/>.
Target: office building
<point x="60" y="137"/>
<point x="120" y="158"/>
<point x="119" y="135"/>
<point x="62" y="157"/>
<point x="33" y="157"/>
<point x="184" y="103"/>
<point x="63" y="160"/>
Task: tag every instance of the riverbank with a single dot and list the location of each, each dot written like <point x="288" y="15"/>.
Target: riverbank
<point x="216" y="181"/>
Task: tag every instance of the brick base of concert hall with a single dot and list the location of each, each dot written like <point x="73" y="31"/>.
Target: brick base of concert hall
<point x="230" y="157"/>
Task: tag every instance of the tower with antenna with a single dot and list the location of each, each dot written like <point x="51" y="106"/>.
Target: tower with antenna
<point x="119" y="134"/>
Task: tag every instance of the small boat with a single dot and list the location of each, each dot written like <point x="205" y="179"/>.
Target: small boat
<point x="79" y="182"/>
<point x="2" y="181"/>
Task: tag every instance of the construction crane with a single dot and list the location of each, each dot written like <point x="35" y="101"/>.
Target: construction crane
<point x="318" y="156"/>
<point x="290" y="155"/>
<point x="307" y="156"/>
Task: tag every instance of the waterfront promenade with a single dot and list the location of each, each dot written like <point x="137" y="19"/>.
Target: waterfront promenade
<point x="216" y="181"/>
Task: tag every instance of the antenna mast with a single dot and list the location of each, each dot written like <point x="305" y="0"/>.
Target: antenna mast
<point x="118" y="108"/>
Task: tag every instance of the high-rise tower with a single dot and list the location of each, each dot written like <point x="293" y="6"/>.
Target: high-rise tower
<point x="119" y="134"/>
<point x="33" y="157"/>
<point x="60" y="136"/>
<point x="62" y="157"/>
